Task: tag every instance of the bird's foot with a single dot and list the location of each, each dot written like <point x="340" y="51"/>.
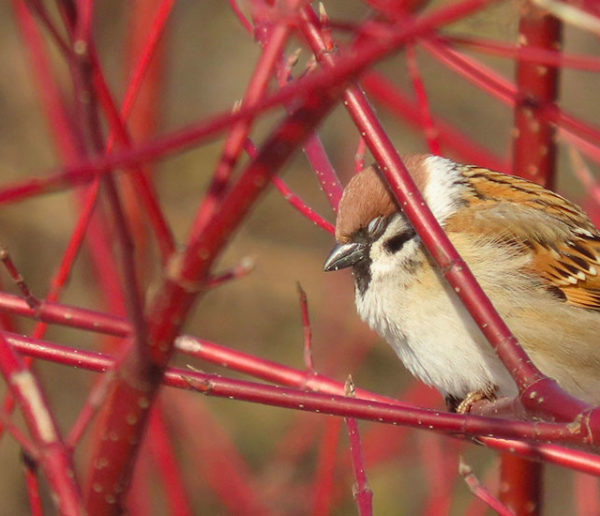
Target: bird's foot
<point x="464" y="407"/>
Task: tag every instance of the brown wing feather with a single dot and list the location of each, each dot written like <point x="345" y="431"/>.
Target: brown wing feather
<point x="565" y="245"/>
<point x="573" y="269"/>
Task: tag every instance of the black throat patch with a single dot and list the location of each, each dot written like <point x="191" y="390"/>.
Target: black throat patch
<point x="362" y="273"/>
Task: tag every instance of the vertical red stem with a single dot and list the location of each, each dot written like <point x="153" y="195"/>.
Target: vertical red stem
<point x="534" y="150"/>
<point x="534" y="156"/>
<point x="521" y="485"/>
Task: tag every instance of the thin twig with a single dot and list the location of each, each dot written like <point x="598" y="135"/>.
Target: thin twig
<point x="480" y="491"/>
<point x="361" y="491"/>
<point x="308" y="361"/>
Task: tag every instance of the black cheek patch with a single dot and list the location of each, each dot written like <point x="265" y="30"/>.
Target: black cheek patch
<point x="362" y="274"/>
<point x="394" y="244"/>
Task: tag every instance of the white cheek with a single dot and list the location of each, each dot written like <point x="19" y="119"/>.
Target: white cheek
<point x="394" y="268"/>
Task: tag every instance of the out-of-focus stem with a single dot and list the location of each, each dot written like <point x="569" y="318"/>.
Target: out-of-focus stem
<point x="521" y="482"/>
<point x="238" y="132"/>
<point x="174" y="300"/>
<point x="480" y="491"/>
<point x="325" y="467"/>
<point x="344" y="69"/>
<point x="534" y="150"/>
<point x="53" y="456"/>
<point x="33" y="487"/>
<point x="431" y="135"/>
<point x="534" y="158"/>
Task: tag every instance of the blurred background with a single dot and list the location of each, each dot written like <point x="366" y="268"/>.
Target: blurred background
<point x="202" y="69"/>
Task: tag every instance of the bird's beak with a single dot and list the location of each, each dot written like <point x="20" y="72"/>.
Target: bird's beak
<point x="344" y="255"/>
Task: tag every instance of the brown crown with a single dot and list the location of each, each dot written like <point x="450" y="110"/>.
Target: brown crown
<point x="366" y="197"/>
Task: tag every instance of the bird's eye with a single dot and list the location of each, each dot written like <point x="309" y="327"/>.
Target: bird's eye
<point x="375" y="227"/>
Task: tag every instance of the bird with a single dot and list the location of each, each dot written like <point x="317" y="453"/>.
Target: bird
<point x="535" y="254"/>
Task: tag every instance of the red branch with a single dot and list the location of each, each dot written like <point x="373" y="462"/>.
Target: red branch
<point x="534" y="158"/>
<point x="481" y="492"/>
<point x="362" y="493"/>
<point x="52" y="454"/>
<point x="175" y="298"/>
<point x="129" y="390"/>
<point x="395" y="413"/>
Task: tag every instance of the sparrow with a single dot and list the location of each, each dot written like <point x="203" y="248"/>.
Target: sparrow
<point x="535" y="254"/>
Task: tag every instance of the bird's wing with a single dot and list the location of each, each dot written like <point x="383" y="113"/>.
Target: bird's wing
<point x="564" y="243"/>
<point x="572" y="269"/>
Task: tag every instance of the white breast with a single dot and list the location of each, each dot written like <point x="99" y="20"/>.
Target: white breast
<point x="433" y="335"/>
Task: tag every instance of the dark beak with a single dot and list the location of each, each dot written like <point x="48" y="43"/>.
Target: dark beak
<point x="344" y="255"/>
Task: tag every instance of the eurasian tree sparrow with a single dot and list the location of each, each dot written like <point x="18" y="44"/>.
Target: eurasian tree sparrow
<point x="535" y="254"/>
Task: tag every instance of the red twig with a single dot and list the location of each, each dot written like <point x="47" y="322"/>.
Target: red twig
<point x="176" y="295"/>
<point x="257" y="367"/>
<point x="15" y="275"/>
<point x="238" y="271"/>
<point x="580" y="133"/>
<point x="33" y="487"/>
<point x="395" y="100"/>
<point x="303" y="208"/>
<point x="53" y="456"/>
<point x="75" y="317"/>
<point x="480" y="491"/>
<point x="361" y="490"/>
<point x="267" y="370"/>
<point x="543" y="56"/>
<point x="308" y="361"/>
<point x="27" y="446"/>
<point x="328" y="179"/>
<point x="274" y="41"/>
<point x="292" y="198"/>
<point x="383" y="412"/>
<point x="344" y="69"/>
<point x="427" y="125"/>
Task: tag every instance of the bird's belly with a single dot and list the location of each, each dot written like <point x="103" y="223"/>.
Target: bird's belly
<point x="435" y="338"/>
